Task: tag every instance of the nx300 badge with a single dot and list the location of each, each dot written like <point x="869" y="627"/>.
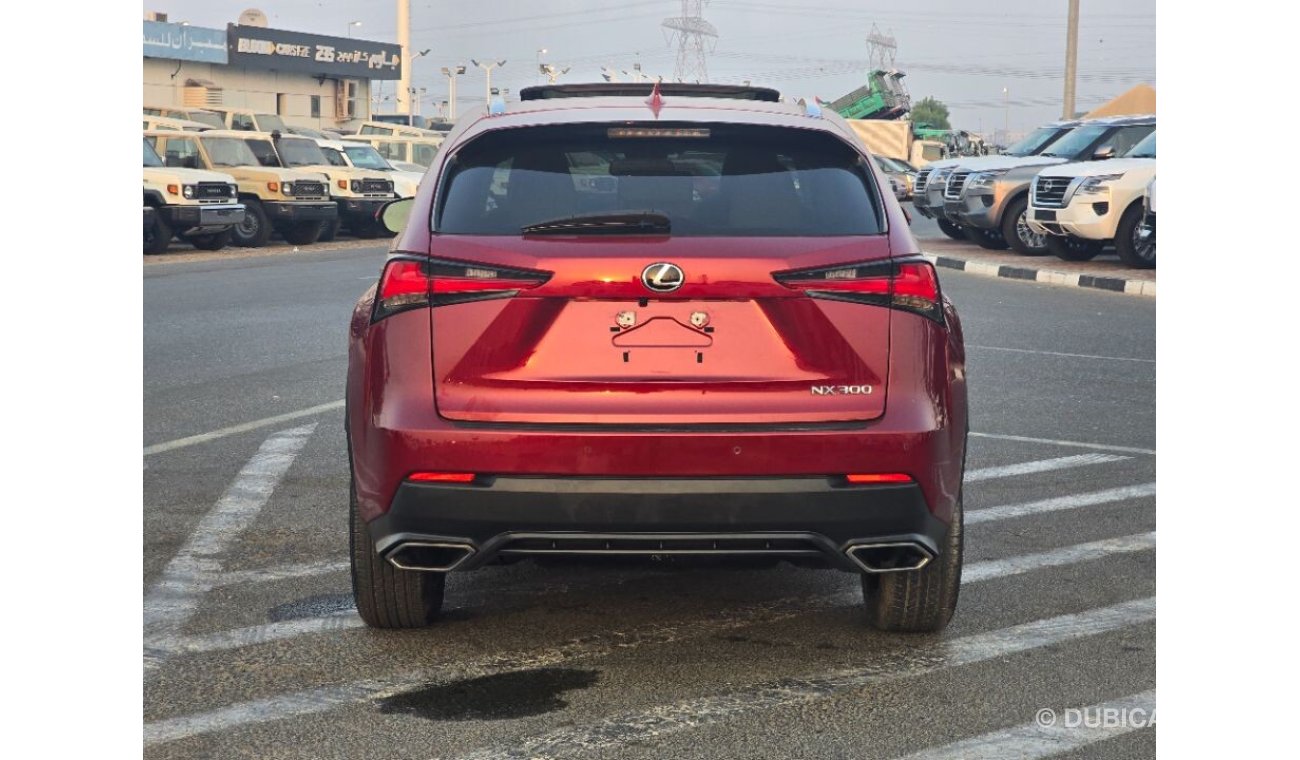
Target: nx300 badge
<point x="841" y="390"/>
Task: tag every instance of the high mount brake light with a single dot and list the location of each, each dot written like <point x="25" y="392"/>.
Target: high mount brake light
<point x="409" y="283"/>
<point x="908" y="284"/>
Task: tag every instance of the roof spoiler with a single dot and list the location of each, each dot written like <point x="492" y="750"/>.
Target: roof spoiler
<point x="643" y="89"/>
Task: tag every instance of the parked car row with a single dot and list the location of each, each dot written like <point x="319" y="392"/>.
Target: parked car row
<point x="1069" y="188"/>
<point x="215" y="177"/>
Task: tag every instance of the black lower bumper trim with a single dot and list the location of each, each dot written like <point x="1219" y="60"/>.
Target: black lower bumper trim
<point x="790" y="517"/>
<point x="301" y="212"/>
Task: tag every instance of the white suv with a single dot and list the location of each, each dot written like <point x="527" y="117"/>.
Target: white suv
<point x="1083" y="206"/>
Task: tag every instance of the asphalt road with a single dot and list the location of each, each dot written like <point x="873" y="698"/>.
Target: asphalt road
<point x="252" y="649"/>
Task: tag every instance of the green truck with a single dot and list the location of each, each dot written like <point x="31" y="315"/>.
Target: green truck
<point x="882" y="97"/>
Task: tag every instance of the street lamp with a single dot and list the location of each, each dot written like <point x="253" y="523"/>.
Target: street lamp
<point x="352" y="24"/>
<point x="487" y="67"/>
<point x="451" y="73"/>
<point x="552" y="73"/>
<point x="540" y="52"/>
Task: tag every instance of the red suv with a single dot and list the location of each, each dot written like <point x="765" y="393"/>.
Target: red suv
<point x="683" y="321"/>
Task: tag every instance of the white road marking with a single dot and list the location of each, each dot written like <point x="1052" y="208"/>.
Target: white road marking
<point x="188" y="576"/>
<point x="1059" y="353"/>
<point x="1042" y="465"/>
<point x="321" y="699"/>
<point x="1034" y="740"/>
<point x="1059" y="503"/>
<point x="281" y="572"/>
<point x="1068" y="555"/>
<point x="318" y="700"/>
<point x="261" y="634"/>
<point x="1056" y="442"/>
<point x="890" y="665"/>
<point x="194" y="440"/>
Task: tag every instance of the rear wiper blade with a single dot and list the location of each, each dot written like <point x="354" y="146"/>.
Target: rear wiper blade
<point x="622" y="222"/>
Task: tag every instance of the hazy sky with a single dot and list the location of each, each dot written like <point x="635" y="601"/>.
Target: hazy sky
<point x="962" y="52"/>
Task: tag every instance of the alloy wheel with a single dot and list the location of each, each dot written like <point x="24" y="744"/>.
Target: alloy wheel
<point x="1026" y="234"/>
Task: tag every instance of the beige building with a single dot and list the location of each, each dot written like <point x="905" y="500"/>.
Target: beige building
<point x="308" y="80"/>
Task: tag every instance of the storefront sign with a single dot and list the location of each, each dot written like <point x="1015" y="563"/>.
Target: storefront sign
<point x="181" y="42"/>
<point x="260" y="48"/>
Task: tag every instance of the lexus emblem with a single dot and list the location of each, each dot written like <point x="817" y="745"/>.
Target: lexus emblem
<point x="662" y="277"/>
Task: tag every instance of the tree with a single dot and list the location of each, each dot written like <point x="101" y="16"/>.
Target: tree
<point x="932" y="112"/>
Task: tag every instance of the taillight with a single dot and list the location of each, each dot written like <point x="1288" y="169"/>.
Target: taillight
<point x="907" y="284"/>
<point x="410" y="283"/>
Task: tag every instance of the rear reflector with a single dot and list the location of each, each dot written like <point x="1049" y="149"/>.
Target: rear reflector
<point x="441" y="477"/>
<point x="879" y="477"/>
<point x="409" y="283"/>
<point x="907" y="284"/>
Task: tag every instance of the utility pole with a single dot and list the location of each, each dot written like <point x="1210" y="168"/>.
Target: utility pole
<point x="487" y="69"/>
<point x="404" y="41"/>
<point x="451" y="73"/>
<point x="1006" y="107"/>
<point x="1071" y="59"/>
<point x="690" y="30"/>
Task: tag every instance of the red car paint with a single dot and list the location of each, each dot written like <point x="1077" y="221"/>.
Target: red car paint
<point x="537" y="384"/>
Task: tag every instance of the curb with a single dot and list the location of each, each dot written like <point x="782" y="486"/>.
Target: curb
<point x="1049" y="276"/>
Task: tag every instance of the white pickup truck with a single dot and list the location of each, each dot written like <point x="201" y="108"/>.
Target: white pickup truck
<point x="1081" y="207"/>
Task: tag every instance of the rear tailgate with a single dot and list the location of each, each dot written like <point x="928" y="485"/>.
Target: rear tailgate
<point x="594" y="346"/>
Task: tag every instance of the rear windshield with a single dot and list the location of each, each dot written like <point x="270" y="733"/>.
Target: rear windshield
<point x="724" y="180"/>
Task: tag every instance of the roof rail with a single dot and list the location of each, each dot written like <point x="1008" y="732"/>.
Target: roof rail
<point x="643" y="89"/>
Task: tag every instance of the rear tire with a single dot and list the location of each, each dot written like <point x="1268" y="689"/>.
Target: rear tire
<point x="1016" y="231"/>
<point x="157" y="239"/>
<point x="254" y="230"/>
<point x="214" y="242"/>
<point x="990" y="239"/>
<point x="920" y="601"/>
<point x="950" y="229"/>
<point x="303" y="233"/>
<point x="1137" y="253"/>
<point x="387" y="597"/>
<point x="1071" y="248"/>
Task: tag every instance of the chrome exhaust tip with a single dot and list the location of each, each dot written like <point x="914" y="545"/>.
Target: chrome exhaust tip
<point x="429" y="557"/>
<point x="890" y="557"/>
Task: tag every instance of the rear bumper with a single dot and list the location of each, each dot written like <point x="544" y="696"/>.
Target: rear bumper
<point x="791" y="517"/>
